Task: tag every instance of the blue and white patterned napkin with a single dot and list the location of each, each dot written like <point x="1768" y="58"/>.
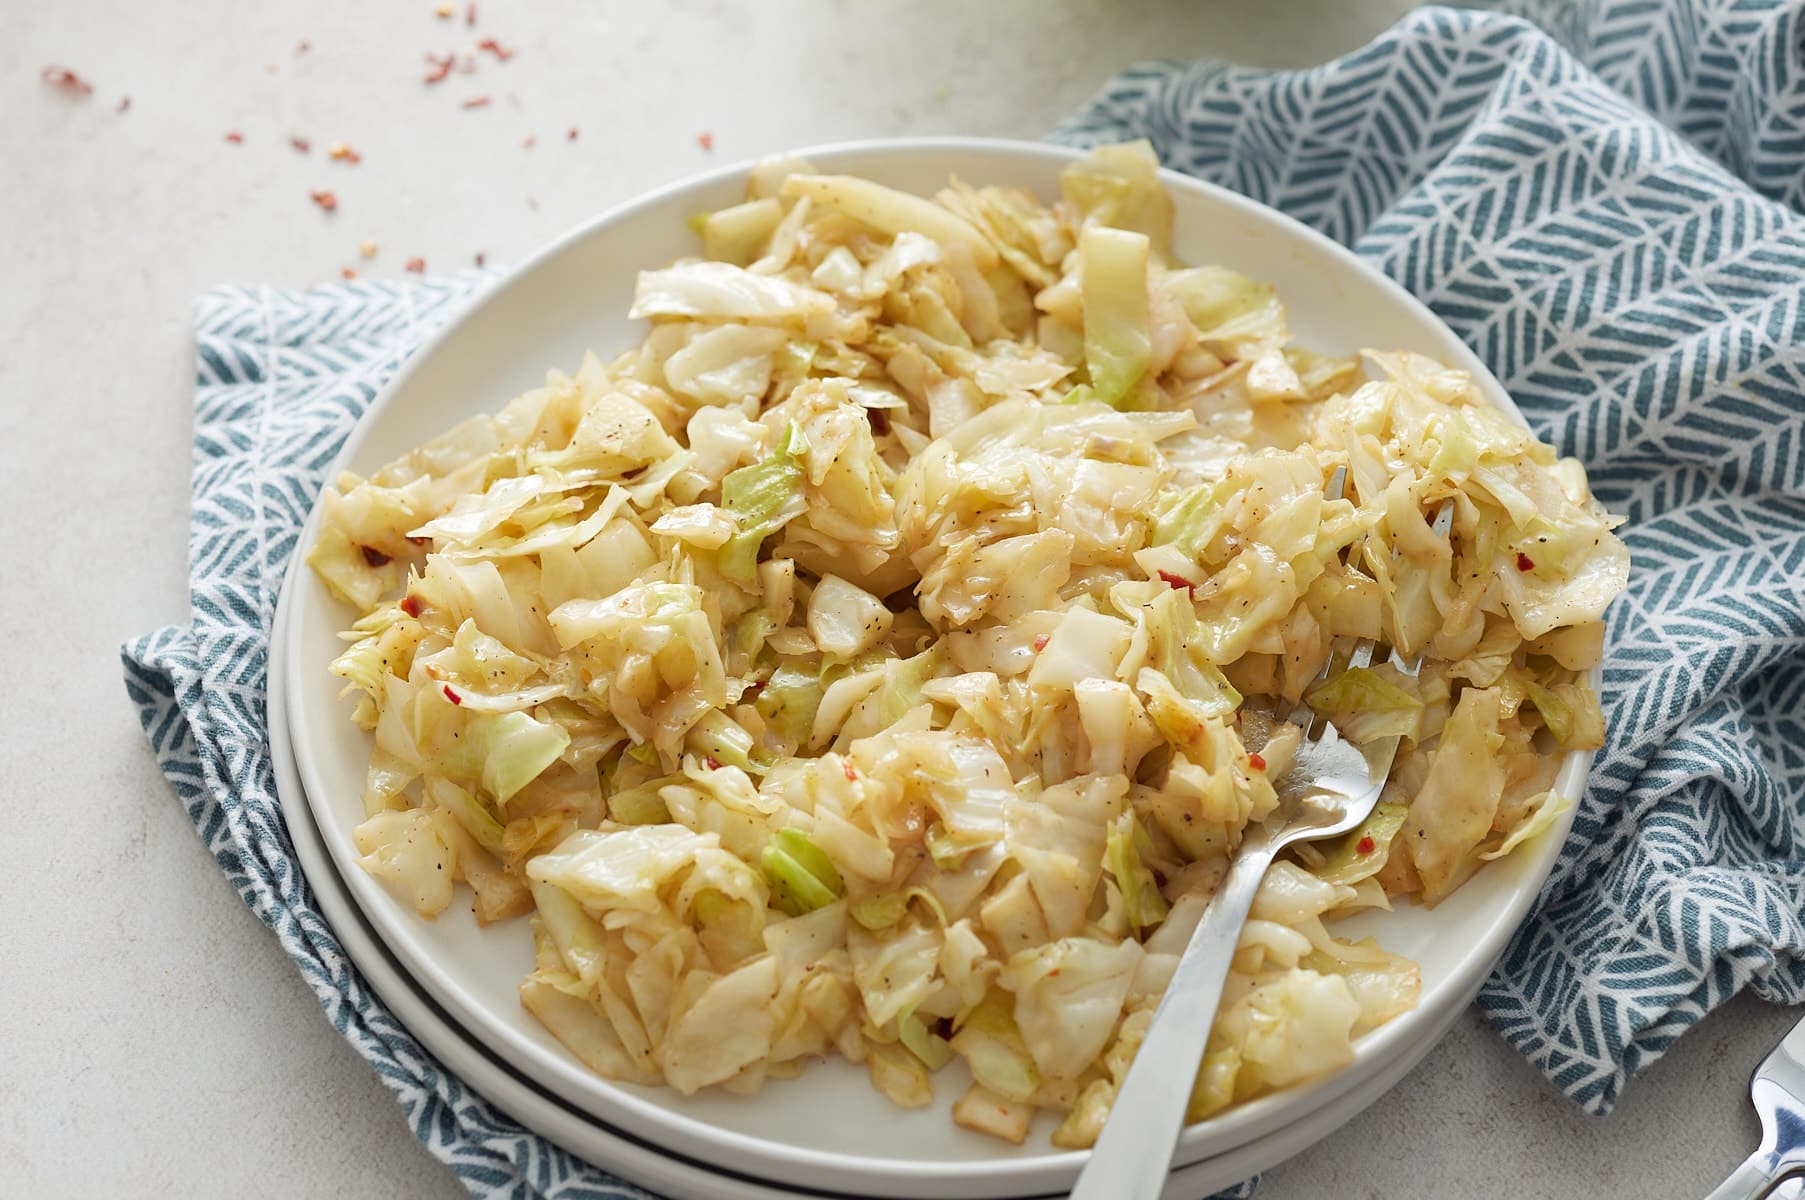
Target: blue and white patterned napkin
<point x="1611" y="212"/>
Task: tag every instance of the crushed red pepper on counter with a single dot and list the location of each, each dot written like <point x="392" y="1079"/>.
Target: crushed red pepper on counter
<point x="125" y="102"/>
<point x="301" y="144"/>
<point x="470" y="15"/>
<point x="1524" y="562"/>
<point x="705" y="140"/>
<point x="342" y="152"/>
<point x="529" y="142"/>
<point x="66" y="81"/>
<point x="493" y="46"/>
<point x="235" y="137"/>
<point x="326" y="200"/>
<point x="441" y="67"/>
<point x="477" y="102"/>
<point x="1257" y="761"/>
<point x="482" y="259"/>
<point x="347" y="273"/>
<point x="416" y="265"/>
<point x="572" y="135"/>
<point x="303" y="46"/>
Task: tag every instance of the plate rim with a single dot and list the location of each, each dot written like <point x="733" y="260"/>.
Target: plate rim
<point x="1240" y="1125"/>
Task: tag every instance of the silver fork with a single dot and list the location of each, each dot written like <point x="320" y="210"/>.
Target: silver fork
<point x="1778" y="1090"/>
<point x="1331" y="790"/>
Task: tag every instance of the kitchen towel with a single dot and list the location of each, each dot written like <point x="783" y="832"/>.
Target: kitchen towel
<point x="1607" y="200"/>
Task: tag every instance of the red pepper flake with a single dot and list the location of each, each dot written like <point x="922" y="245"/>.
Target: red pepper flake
<point x="235" y="137"/>
<point x="347" y="273"/>
<point x="326" y="200"/>
<point x="1256" y="761"/>
<point x="712" y="763"/>
<point x="1366" y="845"/>
<point x="572" y="135"/>
<point x="303" y="46"/>
<point x="452" y="696"/>
<point x="1177" y="581"/>
<point x="441" y="66"/>
<point x="1040" y="643"/>
<point x="341" y="152"/>
<point x="705" y="140"/>
<point x="501" y="52"/>
<point x="470" y="15"/>
<point x="477" y="102"/>
<point x="1524" y="562"/>
<point x="416" y="265"/>
<point x="529" y="142"/>
<point x="301" y="144"/>
<point x="852" y="772"/>
<point x="410" y="604"/>
<point x="482" y="259"/>
<point x="125" y="102"/>
<point x="67" y="82"/>
<point x="419" y="541"/>
<point x="373" y="556"/>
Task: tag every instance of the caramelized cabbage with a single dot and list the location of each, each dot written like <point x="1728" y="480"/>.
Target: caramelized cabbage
<point x="879" y="659"/>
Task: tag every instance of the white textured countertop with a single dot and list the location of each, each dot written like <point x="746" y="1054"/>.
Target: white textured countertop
<point x="156" y="1040"/>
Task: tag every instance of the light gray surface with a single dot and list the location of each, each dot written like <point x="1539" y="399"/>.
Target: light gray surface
<point x="157" y="1042"/>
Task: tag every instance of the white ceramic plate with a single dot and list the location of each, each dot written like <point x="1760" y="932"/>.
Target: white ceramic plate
<point x="552" y="1118"/>
<point x="829" y="1129"/>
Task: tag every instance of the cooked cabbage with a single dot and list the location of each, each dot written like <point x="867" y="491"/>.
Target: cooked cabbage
<point x="868" y="662"/>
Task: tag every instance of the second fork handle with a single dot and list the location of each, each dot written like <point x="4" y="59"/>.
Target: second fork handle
<point x="1758" y="1176"/>
<point x="1133" y="1155"/>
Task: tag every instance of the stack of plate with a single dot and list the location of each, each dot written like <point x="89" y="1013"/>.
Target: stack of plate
<point x="827" y="1133"/>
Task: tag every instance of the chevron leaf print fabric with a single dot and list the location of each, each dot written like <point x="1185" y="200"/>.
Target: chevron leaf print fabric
<point x="1607" y="206"/>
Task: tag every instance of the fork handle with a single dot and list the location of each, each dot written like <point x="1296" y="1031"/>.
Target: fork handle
<point x="1133" y="1155"/>
<point x="1759" y="1174"/>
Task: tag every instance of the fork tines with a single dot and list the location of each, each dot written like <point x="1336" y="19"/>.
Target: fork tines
<point x="1361" y="656"/>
